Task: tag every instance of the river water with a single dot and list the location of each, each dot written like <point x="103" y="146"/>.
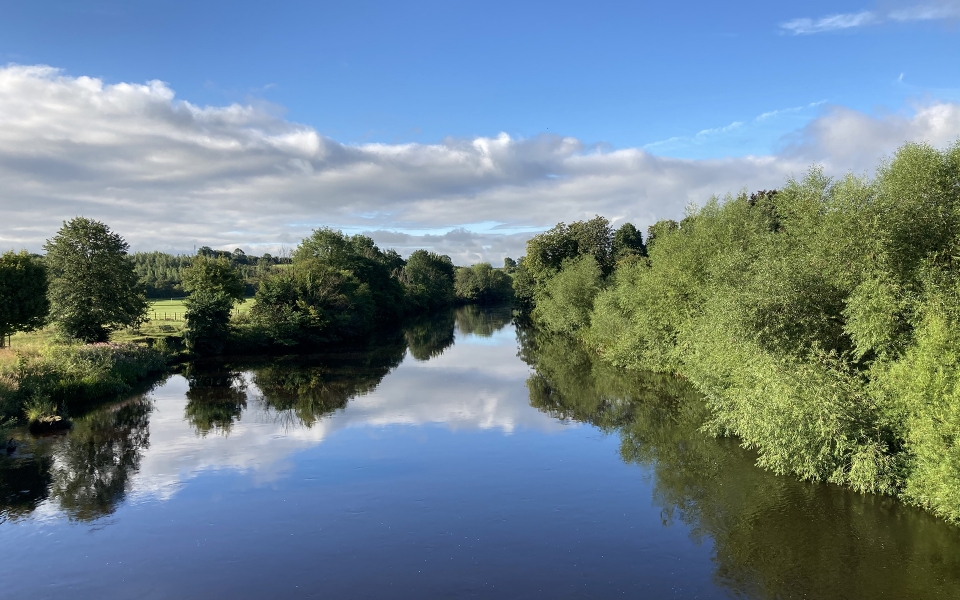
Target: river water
<point x="459" y="459"/>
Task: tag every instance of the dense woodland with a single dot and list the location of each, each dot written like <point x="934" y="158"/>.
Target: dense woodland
<point x="820" y="321"/>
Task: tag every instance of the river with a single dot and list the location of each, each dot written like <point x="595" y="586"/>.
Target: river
<point x="461" y="458"/>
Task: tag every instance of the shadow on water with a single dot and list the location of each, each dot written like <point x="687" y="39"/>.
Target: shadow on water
<point x="772" y="537"/>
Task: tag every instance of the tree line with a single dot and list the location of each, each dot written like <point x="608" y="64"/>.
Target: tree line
<point x="334" y="287"/>
<point x="820" y="321"/>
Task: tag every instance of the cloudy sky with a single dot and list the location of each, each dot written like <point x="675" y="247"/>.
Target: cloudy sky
<point x="460" y="126"/>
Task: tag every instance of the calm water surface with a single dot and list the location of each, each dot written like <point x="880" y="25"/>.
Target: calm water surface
<point x="460" y="459"/>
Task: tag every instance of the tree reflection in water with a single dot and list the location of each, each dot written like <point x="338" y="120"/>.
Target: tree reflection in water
<point x="93" y="464"/>
<point x="216" y="398"/>
<point x="483" y="321"/>
<point x="773" y="537"/>
<point x="24" y="484"/>
<point x="427" y="338"/>
<point x="308" y="388"/>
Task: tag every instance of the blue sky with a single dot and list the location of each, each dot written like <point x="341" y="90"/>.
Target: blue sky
<point x="618" y="73"/>
<point x="683" y="80"/>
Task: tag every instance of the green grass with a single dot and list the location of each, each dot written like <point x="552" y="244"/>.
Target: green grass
<point x="165" y="318"/>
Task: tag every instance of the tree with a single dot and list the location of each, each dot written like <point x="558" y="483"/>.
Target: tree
<point x="23" y="287"/>
<point x="483" y="284"/>
<point x="93" y="288"/>
<point x="550" y="250"/>
<point x="215" y="286"/>
<point x="628" y="241"/>
<point x="509" y="265"/>
<point x="428" y="280"/>
<point x="213" y="275"/>
<point x="358" y="256"/>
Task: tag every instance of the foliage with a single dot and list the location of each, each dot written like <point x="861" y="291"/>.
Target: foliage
<point x="23" y="287"/>
<point x="482" y="284"/>
<point x="213" y="275"/>
<point x="771" y="537"/>
<point x="549" y="251"/>
<point x="358" y="257"/>
<point x="628" y="243"/>
<point x="162" y="273"/>
<point x="818" y="320"/>
<point x="312" y="303"/>
<point x="214" y="287"/>
<point x="66" y="378"/>
<point x="93" y="286"/>
<point x="565" y="301"/>
<point x="207" y="321"/>
<point x="428" y="281"/>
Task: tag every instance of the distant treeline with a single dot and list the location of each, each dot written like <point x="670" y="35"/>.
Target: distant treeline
<point x="821" y="321"/>
<point x="162" y="273"/>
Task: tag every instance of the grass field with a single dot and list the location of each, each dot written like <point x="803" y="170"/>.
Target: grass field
<point x="165" y="317"/>
<point x="172" y="310"/>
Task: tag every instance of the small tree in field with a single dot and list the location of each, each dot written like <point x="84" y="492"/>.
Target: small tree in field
<point x="94" y="288"/>
<point x="214" y="287"/>
<point x="23" y="289"/>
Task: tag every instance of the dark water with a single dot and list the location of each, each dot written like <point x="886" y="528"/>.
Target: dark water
<point x="447" y="463"/>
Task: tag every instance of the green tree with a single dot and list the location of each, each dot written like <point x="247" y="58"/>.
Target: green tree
<point x="565" y="301"/>
<point x="213" y="275"/>
<point x="428" y="280"/>
<point x="550" y="250"/>
<point x="482" y="284"/>
<point x="312" y="303"/>
<point x="627" y="242"/>
<point x="93" y="288"/>
<point x="359" y="257"/>
<point x="23" y="287"/>
<point x="214" y="287"/>
<point x="509" y="265"/>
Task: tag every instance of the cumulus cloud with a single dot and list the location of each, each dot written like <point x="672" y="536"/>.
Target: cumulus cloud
<point x="168" y="174"/>
<point x="928" y="11"/>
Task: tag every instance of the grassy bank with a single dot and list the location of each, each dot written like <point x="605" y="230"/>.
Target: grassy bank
<point x="44" y="386"/>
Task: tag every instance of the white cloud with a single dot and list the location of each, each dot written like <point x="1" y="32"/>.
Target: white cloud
<point x="830" y="23"/>
<point x="928" y="11"/>
<point x="168" y="174"/>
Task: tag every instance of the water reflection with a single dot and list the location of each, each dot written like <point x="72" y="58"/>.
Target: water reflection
<point x="216" y="398"/>
<point x="427" y="338"/>
<point x="238" y="429"/>
<point x="309" y="388"/>
<point x="772" y="537"/>
<point x="483" y="321"/>
<point x="251" y="413"/>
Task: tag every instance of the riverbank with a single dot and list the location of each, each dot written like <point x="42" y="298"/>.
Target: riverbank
<point x="44" y="386"/>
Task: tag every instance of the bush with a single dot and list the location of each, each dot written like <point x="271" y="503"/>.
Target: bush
<point x="67" y="377"/>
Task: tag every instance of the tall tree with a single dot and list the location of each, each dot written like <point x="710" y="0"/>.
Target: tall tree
<point x="23" y="287"/>
<point x="628" y="241"/>
<point x="428" y="280"/>
<point x="94" y="288"/>
<point x="215" y="286"/>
